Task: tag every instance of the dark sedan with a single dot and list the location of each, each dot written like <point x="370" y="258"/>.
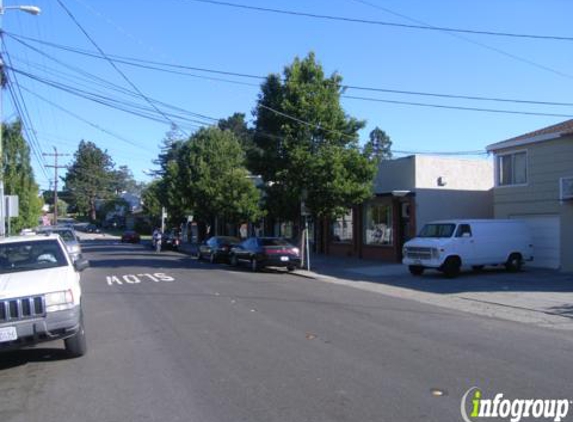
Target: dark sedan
<point x="130" y="236"/>
<point x="261" y="252"/>
<point x="170" y="240"/>
<point x="217" y="248"/>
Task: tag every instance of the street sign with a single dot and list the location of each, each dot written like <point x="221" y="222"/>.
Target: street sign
<point x="12" y="205"/>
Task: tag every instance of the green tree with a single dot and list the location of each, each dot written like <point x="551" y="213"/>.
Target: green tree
<point x="90" y="177"/>
<point x="123" y="181"/>
<point x="379" y="146"/>
<point x="212" y="179"/>
<point x="169" y="148"/>
<point x="151" y="199"/>
<point x="19" y="177"/>
<point x="307" y="143"/>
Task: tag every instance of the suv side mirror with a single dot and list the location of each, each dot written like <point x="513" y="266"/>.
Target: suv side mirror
<point x="81" y="264"/>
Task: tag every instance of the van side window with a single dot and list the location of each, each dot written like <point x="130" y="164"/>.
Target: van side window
<point x="463" y="229"/>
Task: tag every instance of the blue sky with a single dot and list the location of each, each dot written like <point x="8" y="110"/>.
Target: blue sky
<point x="185" y="32"/>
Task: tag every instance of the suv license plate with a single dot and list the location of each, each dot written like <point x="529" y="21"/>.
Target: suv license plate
<point x="8" y="334"/>
<point x="284" y="258"/>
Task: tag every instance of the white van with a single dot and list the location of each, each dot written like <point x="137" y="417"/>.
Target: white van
<point x="448" y="245"/>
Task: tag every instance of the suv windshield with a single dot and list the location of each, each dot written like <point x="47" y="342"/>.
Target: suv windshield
<point x="31" y="255"/>
<point x="437" y="230"/>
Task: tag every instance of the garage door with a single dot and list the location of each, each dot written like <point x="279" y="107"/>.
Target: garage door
<point x="545" y="230"/>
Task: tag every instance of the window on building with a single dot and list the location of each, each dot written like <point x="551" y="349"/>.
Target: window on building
<point x="341" y="228"/>
<point x="512" y="169"/>
<point x="378" y="225"/>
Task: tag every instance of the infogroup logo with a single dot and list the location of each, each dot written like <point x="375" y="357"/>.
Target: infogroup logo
<point x="514" y="410"/>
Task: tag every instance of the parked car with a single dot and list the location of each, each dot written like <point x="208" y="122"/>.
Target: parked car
<point x="447" y="246"/>
<point x="217" y="248"/>
<point x="40" y="294"/>
<point x="69" y="237"/>
<point x="261" y="252"/>
<point x="170" y="240"/>
<point x="92" y="228"/>
<point x="130" y="236"/>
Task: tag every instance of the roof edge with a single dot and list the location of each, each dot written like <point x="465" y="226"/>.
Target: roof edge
<point x="524" y="141"/>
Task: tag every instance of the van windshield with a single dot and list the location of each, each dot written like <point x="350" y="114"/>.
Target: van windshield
<point x="437" y="230"/>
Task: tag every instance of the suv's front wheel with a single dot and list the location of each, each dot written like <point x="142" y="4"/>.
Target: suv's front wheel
<point x="76" y="345"/>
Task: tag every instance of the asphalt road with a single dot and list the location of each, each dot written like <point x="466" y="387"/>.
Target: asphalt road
<point x="173" y="339"/>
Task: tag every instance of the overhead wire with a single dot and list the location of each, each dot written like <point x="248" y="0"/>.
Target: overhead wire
<point x="384" y="23"/>
<point x="118" y="70"/>
<point x="156" y="65"/>
<point x="471" y="41"/>
<point x="22" y="111"/>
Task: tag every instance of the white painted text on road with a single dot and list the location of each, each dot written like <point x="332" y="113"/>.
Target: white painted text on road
<point x="138" y="278"/>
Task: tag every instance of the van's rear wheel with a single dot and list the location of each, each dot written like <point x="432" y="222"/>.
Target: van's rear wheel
<point x="416" y="270"/>
<point x="451" y="267"/>
<point x="514" y="263"/>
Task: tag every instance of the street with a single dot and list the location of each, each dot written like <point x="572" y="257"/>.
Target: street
<point x="174" y="339"/>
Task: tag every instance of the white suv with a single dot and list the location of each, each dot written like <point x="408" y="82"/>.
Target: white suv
<point x="40" y="294"/>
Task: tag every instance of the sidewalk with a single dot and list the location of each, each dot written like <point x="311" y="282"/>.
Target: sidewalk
<point x="534" y="296"/>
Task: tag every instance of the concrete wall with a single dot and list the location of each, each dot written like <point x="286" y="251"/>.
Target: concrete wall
<point x="453" y="173"/>
<point x="442" y="204"/>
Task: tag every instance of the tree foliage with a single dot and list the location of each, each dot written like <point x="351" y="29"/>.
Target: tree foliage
<point x="306" y="142"/>
<point x="18" y="177"/>
<point x="90" y="177"/>
<point x="210" y="178"/>
<point x="379" y="146"/>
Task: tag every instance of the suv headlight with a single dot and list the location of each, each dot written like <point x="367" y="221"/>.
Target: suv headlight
<point x="59" y="301"/>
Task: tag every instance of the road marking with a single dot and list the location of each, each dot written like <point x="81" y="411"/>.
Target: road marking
<point x="137" y="278"/>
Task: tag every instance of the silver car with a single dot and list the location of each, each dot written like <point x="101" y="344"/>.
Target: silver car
<point x="69" y="237"/>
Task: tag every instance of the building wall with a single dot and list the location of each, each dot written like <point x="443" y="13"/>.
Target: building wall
<point x="398" y="174"/>
<point x="547" y="162"/>
<point x="453" y="174"/>
<point x="442" y="204"/>
<point x="567" y="236"/>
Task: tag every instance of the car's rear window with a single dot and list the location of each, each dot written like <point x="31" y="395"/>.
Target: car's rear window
<point x="66" y="235"/>
<point x="275" y="242"/>
<point x="32" y="255"/>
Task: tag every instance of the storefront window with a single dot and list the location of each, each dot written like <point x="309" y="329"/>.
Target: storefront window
<point x="341" y="228"/>
<point x="378" y="225"/>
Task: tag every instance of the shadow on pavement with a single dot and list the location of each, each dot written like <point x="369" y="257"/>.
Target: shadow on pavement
<point x="21" y="357"/>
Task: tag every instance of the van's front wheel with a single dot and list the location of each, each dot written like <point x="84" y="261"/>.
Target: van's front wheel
<point x="514" y="263"/>
<point x="416" y="270"/>
<point x="451" y="267"/>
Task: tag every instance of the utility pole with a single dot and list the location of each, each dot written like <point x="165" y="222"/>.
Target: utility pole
<point x="56" y="167"/>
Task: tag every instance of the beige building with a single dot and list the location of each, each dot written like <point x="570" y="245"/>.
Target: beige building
<point x="534" y="182"/>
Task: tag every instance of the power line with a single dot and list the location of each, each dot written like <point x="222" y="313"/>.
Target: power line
<point x="460" y="108"/>
<point x="22" y="111"/>
<point x="123" y="75"/>
<point x="383" y="23"/>
<point x="471" y="41"/>
<point x="154" y="65"/>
